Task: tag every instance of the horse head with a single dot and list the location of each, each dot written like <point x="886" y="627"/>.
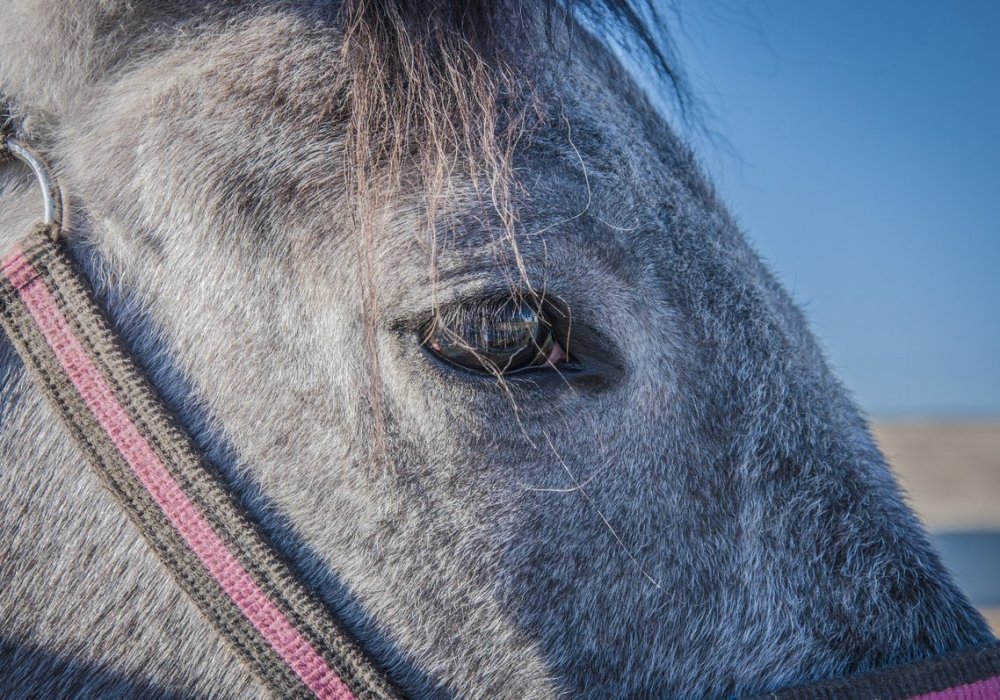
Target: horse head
<point x="457" y="316"/>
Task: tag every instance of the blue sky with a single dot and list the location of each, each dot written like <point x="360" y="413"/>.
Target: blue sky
<point x="860" y="149"/>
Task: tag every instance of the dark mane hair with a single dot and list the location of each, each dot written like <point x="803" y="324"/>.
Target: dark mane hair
<point x="434" y="72"/>
<point x="430" y="83"/>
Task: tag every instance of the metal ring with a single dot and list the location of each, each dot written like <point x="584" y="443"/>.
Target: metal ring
<point x="51" y="194"/>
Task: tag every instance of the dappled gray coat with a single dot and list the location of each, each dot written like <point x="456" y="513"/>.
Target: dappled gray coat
<point x="276" y="202"/>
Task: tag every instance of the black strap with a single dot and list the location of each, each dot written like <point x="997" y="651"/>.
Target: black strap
<point x="968" y="675"/>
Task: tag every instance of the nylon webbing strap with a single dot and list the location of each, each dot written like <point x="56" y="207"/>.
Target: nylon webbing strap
<point x="968" y="675"/>
<point x="184" y="510"/>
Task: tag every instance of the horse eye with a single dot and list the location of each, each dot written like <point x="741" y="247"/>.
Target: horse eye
<point x="495" y="337"/>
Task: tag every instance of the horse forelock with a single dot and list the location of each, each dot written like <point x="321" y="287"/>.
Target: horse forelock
<point x="437" y="77"/>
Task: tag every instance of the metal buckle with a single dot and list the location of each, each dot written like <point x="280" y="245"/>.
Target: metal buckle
<point x="51" y="194"/>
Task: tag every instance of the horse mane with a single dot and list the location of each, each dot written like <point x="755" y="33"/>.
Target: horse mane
<point x="435" y="73"/>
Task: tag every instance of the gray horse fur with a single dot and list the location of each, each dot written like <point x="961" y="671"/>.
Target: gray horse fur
<point x="699" y="512"/>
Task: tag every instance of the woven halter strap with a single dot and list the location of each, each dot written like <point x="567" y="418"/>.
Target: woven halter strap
<point x="973" y="674"/>
<point x="184" y="510"/>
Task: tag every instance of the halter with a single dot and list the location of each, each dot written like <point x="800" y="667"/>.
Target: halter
<point x="210" y="545"/>
<point x="186" y="513"/>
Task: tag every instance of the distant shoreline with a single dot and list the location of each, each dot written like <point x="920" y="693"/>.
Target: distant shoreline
<point x="949" y="469"/>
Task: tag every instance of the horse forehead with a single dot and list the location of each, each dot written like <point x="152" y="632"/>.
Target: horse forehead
<point x="588" y="191"/>
<point x="568" y="248"/>
<point x="583" y="218"/>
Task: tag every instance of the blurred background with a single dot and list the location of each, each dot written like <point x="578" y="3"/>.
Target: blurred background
<point x="857" y="143"/>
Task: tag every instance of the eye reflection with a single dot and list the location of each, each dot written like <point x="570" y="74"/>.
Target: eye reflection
<point x="499" y="336"/>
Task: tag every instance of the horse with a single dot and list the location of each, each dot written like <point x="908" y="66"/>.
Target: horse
<point x="453" y="312"/>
